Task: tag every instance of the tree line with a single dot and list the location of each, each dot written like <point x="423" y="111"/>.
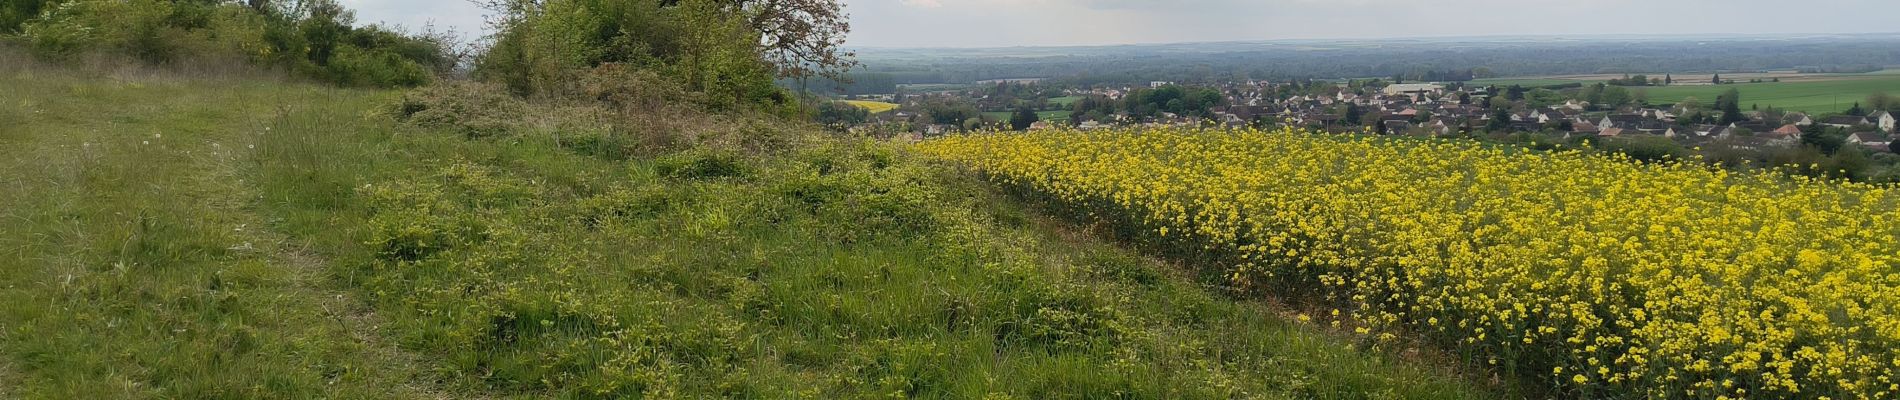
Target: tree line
<point x="311" y="38"/>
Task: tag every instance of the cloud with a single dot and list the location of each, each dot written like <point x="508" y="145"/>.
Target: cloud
<point x="923" y="3"/>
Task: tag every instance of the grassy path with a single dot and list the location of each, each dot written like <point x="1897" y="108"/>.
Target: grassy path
<point x="135" y="260"/>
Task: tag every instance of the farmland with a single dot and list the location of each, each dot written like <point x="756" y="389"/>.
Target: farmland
<point x="1602" y="277"/>
<point x="1816" y="96"/>
<point x="873" y="106"/>
<point x="1813" y="93"/>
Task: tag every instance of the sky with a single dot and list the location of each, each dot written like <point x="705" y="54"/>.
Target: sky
<point x="1006" y="23"/>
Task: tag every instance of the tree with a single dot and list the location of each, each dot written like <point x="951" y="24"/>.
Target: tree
<point x="17" y="12"/>
<point x="1857" y="111"/>
<point x="1500" y="120"/>
<point x="1353" y="114"/>
<point x="1669" y="79"/>
<point x="1823" y="138"/>
<point x="838" y="114"/>
<point x="1881" y="101"/>
<point x="1617" y="96"/>
<point x="1541" y="98"/>
<point x="1717" y="80"/>
<point x="1688" y="105"/>
<point x="1023" y="119"/>
<point x="1730" y="103"/>
<point x="802" y="38"/>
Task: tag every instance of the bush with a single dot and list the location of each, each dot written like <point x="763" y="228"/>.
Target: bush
<point x="358" y="67"/>
<point x="700" y="45"/>
<point x="316" y="39"/>
<point x="473" y="109"/>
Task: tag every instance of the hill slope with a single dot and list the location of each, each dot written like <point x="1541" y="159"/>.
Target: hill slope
<point x="201" y="238"/>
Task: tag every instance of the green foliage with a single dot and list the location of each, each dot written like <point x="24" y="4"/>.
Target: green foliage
<point x="16" y="12"/>
<point x="1023" y="119"/>
<point x="838" y="114"/>
<point x="698" y="43"/>
<point x="1647" y="148"/>
<point x="316" y="40"/>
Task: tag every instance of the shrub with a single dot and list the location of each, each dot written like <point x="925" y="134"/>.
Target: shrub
<point x="316" y="39"/>
<point x="702" y="46"/>
<point x="474" y="109"/>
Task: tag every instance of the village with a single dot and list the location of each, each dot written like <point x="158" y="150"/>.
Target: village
<point x="1451" y="109"/>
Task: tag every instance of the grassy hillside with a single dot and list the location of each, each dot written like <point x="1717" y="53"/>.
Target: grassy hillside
<point x="175" y="237"/>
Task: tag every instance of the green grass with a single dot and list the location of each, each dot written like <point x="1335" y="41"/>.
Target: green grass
<point x="1064" y="101"/>
<point x="1830" y="96"/>
<point x="171" y="238"/>
<point x="1812" y="96"/>
<point x="137" y="262"/>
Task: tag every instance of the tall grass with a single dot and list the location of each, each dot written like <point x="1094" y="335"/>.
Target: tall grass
<point x="135" y="263"/>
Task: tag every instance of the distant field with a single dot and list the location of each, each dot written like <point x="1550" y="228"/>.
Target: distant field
<point x="1526" y="82"/>
<point x="1821" y="96"/>
<point x="1058" y="115"/>
<point x="1814" y="93"/>
<point x="931" y="87"/>
<point x="1065" y="101"/>
<point x="873" y="106"/>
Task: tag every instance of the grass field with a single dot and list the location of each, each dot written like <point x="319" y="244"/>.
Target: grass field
<point x="1821" y="96"/>
<point x="873" y="106"/>
<point x="1064" y="101"/>
<point x="213" y="238"/>
<point x="1813" y="93"/>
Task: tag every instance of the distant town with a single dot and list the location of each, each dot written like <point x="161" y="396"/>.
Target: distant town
<point x="1615" y="112"/>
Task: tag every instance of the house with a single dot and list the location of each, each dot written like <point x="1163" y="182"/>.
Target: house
<point x="1751" y="127"/>
<point x="1885" y="120"/>
<point x="1584" y="128"/>
<point x="1550" y="116"/>
<point x="1789" y="129"/>
<point x="1711" y="131"/>
<point x="1773" y="140"/>
<point x="1624" y="121"/>
<point x="1844" y="121"/>
<point x="1798" y="119"/>
<point x="1412" y="89"/>
<point x="1868" y="139"/>
<point x="1611" y="132"/>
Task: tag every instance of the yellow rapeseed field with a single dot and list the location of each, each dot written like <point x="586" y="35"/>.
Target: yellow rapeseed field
<point x="1608" y="277"/>
<point x="873" y="106"/>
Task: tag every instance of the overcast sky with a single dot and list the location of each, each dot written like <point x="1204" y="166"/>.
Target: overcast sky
<point x="1002" y="23"/>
